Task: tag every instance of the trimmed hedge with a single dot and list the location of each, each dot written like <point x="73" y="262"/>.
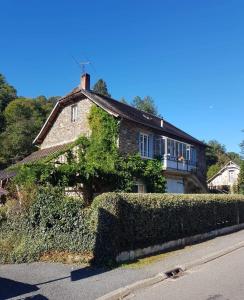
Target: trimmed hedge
<point x="131" y="221"/>
<point x="115" y="222"/>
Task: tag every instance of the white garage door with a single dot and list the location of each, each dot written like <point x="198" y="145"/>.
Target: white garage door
<point x="175" y="185"/>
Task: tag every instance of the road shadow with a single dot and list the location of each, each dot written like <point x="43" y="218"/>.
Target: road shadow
<point x="36" y="297"/>
<point x="10" y="288"/>
<point x="86" y="272"/>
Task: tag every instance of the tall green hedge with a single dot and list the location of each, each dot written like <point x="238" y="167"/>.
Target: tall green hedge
<point x="115" y="222"/>
<point x="131" y="221"/>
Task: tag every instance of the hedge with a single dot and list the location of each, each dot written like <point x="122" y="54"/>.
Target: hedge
<point x="132" y="221"/>
<point x="115" y="222"/>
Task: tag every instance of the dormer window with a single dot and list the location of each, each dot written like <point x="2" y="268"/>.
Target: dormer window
<point x="74" y="113"/>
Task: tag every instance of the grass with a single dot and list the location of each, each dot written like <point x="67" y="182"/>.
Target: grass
<point x="148" y="260"/>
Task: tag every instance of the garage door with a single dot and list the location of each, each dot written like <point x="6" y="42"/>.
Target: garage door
<point x="175" y="185"/>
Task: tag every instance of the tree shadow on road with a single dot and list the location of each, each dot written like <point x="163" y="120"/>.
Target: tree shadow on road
<point x="10" y="288"/>
<point x="86" y="272"/>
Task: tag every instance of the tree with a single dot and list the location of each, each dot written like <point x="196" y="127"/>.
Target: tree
<point x="217" y="157"/>
<point x="7" y="94"/>
<point x="100" y="87"/>
<point x="213" y="152"/>
<point x="123" y="100"/>
<point x="146" y="104"/>
<point x="53" y="99"/>
<point x="23" y="119"/>
<point x="235" y="157"/>
<point x="212" y="170"/>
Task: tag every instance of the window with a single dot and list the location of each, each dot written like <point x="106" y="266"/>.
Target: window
<point x="74" y="113"/>
<point x="139" y="188"/>
<point x="144" y="145"/>
<point x="231" y="176"/>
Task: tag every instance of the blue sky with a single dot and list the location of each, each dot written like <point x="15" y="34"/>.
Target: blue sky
<point x="187" y="55"/>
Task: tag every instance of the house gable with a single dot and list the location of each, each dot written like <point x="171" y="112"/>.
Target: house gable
<point x="65" y="130"/>
<point x="228" y="175"/>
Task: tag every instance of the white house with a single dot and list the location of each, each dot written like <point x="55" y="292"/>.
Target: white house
<point x="226" y="178"/>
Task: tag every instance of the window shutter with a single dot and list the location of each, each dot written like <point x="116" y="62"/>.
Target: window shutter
<point x="151" y="140"/>
<point x="156" y="145"/>
<point x="138" y="140"/>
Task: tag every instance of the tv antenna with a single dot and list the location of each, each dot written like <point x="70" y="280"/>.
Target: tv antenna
<point x="82" y="65"/>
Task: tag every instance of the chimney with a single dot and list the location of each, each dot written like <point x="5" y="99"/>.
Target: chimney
<point x="85" y="82"/>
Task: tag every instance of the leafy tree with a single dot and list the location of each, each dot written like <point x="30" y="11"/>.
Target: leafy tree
<point x="23" y="118"/>
<point x="53" y="99"/>
<point x="213" y="152"/>
<point x="7" y="94"/>
<point x="101" y="87"/>
<point x="212" y="170"/>
<point x="235" y="157"/>
<point x="146" y="104"/>
<point x="123" y="100"/>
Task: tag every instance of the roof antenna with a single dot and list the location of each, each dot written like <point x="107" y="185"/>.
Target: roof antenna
<point x="81" y="64"/>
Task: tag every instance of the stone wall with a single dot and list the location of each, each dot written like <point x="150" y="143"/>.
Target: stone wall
<point x="128" y="136"/>
<point x="63" y="130"/>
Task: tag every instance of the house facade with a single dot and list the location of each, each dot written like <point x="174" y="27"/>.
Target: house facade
<point x="225" y="179"/>
<point x="183" y="156"/>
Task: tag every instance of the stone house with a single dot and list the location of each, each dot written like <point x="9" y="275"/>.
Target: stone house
<point x="225" y="179"/>
<point x="183" y="156"/>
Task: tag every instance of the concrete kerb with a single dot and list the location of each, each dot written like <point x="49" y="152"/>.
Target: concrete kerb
<point x="127" y="290"/>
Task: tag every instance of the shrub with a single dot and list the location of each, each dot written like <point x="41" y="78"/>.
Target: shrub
<point x="115" y="222"/>
<point x="134" y="221"/>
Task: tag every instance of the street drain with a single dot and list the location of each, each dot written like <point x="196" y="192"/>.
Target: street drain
<point x="175" y="273"/>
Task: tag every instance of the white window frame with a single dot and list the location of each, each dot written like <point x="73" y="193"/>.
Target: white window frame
<point x="144" y="151"/>
<point x="74" y="113"/>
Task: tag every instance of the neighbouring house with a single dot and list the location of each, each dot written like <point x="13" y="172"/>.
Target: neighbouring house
<point x="225" y="179"/>
<point x="183" y="156"/>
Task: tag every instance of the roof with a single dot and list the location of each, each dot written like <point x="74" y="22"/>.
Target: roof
<point x="118" y="109"/>
<point x="34" y="156"/>
<point x="5" y="174"/>
<point x="230" y="163"/>
<point x="37" y="155"/>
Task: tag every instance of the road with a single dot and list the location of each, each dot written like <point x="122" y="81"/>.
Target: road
<point x="58" y="281"/>
<point x="221" y="279"/>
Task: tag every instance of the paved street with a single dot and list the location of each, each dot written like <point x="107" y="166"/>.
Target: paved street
<point x="221" y="279"/>
<point x="59" y="281"/>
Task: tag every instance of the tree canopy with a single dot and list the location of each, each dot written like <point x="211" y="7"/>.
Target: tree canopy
<point x="101" y="87"/>
<point x="20" y="121"/>
<point x="217" y="157"/>
<point x="146" y="104"/>
<point x="7" y="94"/>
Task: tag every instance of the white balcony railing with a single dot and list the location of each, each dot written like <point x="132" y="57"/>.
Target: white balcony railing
<point x="176" y="164"/>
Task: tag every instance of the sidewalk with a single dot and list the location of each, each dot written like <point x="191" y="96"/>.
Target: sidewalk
<point x="58" y="281"/>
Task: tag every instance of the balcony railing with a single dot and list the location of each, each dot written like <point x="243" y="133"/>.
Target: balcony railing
<point x="178" y="164"/>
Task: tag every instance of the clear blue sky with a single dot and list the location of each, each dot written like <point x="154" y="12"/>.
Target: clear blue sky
<point x="187" y="55"/>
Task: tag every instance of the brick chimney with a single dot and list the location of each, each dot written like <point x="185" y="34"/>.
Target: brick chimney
<point x="85" y="82"/>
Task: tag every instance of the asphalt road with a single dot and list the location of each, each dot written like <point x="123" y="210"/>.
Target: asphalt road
<point x="58" y="281"/>
<point x="221" y="279"/>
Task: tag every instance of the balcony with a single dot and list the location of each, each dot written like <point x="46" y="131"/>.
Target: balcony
<point x="171" y="163"/>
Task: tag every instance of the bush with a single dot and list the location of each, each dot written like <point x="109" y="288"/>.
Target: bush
<point x="115" y="222"/>
<point x="134" y="221"/>
<point x="53" y="223"/>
